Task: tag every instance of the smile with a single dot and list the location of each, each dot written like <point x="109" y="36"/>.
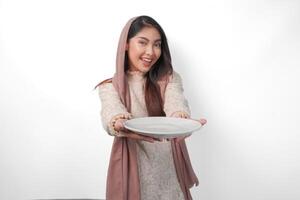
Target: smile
<point x="147" y="60"/>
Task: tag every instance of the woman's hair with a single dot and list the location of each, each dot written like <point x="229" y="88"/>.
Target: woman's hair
<point x="161" y="68"/>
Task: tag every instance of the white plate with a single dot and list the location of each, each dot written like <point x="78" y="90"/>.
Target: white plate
<point x="162" y="127"/>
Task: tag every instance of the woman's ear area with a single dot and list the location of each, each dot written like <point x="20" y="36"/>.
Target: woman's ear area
<point x="126" y="47"/>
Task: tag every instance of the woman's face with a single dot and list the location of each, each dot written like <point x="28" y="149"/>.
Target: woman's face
<point x="144" y="49"/>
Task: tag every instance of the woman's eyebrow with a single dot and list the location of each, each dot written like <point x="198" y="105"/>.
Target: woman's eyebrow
<point x="144" y="38"/>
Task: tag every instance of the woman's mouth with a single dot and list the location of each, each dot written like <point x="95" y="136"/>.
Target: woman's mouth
<point x="146" y="61"/>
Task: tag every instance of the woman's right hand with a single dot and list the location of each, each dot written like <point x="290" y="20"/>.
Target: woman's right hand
<point x="119" y="126"/>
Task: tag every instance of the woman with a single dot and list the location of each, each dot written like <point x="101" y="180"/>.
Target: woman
<point x="141" y="167"/>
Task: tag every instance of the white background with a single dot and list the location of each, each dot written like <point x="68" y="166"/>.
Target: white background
<point x="240" y="64"/>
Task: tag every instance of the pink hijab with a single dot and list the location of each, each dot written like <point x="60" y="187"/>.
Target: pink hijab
<point x="123" y="177"/>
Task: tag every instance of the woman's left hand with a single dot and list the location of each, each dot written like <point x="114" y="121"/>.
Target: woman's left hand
<point x="201" y="121"/>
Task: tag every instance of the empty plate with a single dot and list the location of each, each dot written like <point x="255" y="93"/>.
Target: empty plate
<point x="162" y="127"/>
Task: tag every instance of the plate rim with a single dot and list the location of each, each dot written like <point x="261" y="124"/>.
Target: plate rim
<point x="161" y="133"/>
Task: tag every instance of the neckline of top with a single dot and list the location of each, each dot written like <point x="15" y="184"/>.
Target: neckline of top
<point x="135" y="76"/>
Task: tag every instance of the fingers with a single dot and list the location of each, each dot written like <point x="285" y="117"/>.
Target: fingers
<point x="180" y="115"/>
<point x="184" y="115"/>
<point x="203" y="121"/>
<point x="119" y="125"/>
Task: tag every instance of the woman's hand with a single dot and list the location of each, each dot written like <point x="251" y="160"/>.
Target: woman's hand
<point x="186" y="116"/>
<point x="119" y="126"/>
<point x="201" y="121"/>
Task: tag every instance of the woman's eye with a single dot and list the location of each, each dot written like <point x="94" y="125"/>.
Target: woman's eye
<point x="142" y="42"/>
<point x="158" y="45"/>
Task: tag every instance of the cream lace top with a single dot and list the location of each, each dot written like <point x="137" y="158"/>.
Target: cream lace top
<point x="158" y="179"/>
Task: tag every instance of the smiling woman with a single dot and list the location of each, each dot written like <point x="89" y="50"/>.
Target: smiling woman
<point x="143" y="167"/>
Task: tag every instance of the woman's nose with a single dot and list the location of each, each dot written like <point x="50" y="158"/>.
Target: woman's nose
<point x="149" y="50"/>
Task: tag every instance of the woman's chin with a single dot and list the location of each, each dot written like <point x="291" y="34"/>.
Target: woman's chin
<point x="146" y="68"/>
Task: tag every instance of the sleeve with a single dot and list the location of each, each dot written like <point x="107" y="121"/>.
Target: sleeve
<point x="112" y="108"/>
<point x="176" y="104"/>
